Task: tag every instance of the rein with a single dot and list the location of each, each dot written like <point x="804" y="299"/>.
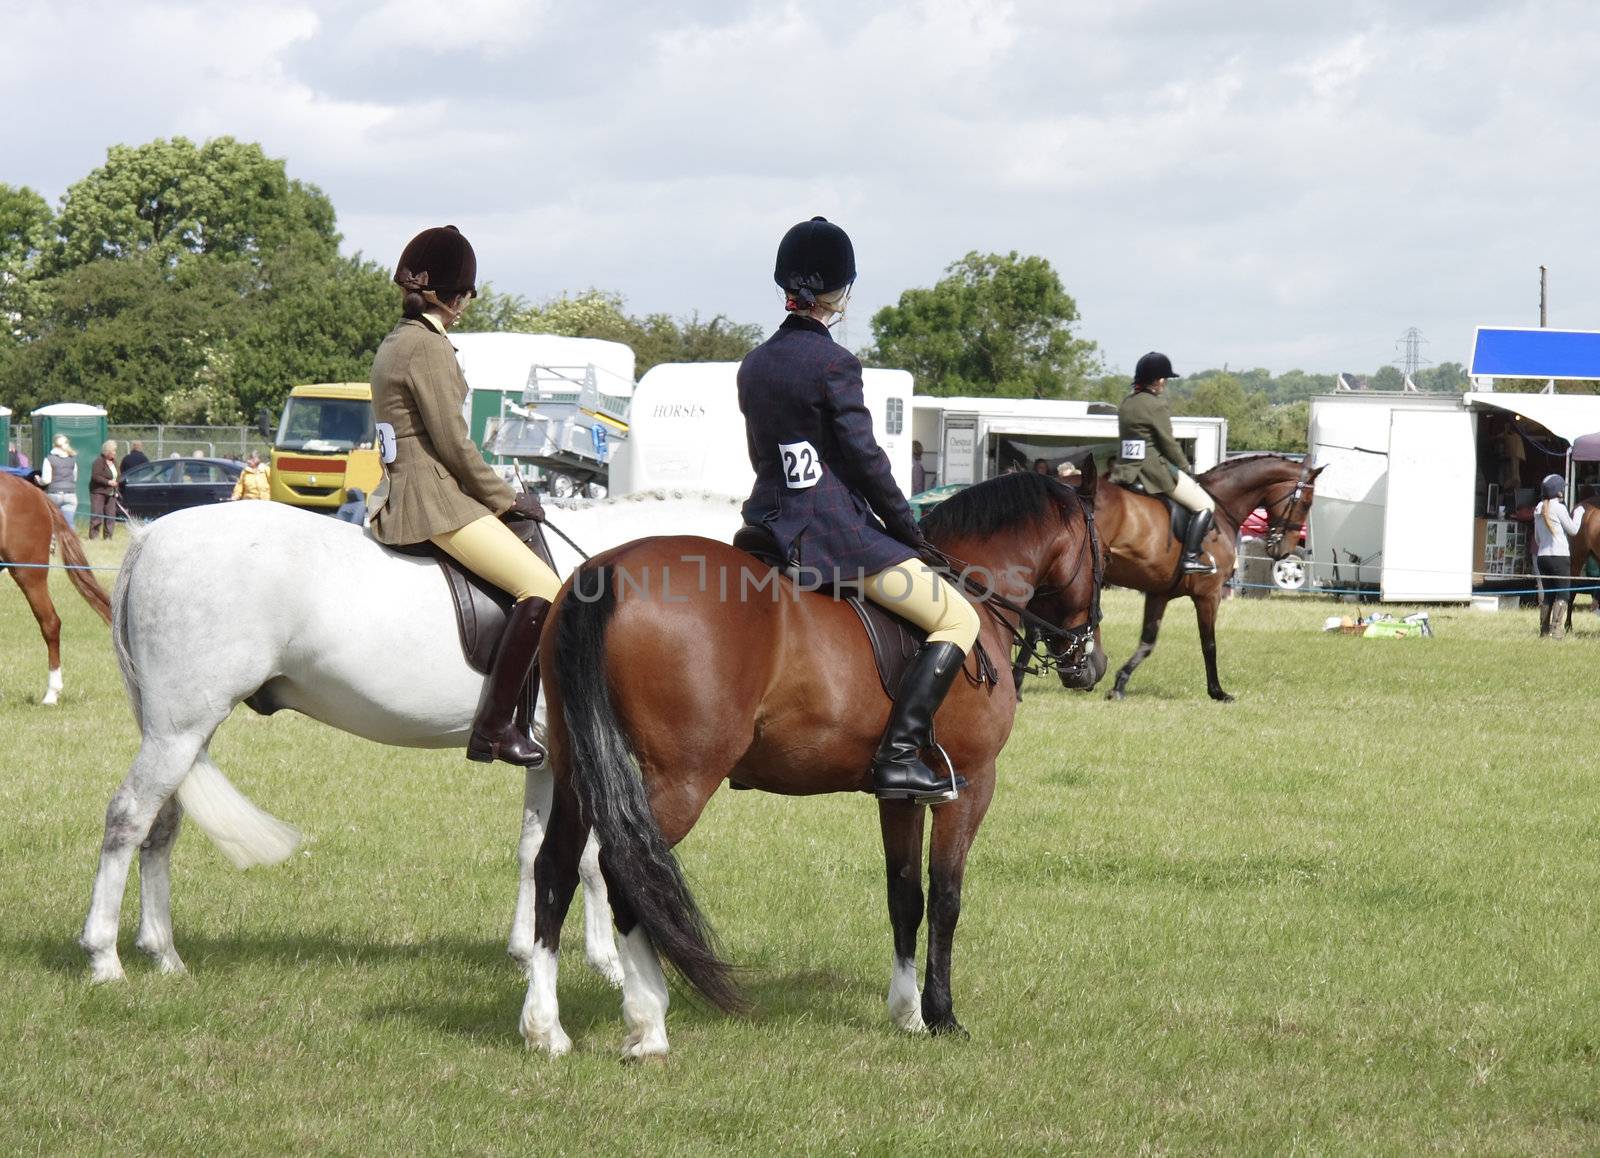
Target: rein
<point x="1279" y="526"/>
<point x="1030" y="629"/>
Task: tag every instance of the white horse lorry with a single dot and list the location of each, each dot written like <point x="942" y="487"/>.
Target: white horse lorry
<point x="686" y="432"/>
<point x="1427" y="496"/>
<point x="966" y="440"/>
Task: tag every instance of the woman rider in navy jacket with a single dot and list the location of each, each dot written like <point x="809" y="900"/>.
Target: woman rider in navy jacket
<point x="825" y="492"/>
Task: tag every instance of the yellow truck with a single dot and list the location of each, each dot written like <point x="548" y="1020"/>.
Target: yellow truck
<point x="326" y="443"/>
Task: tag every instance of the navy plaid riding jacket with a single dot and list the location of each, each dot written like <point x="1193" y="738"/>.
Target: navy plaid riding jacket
<point x="821" y="476"/>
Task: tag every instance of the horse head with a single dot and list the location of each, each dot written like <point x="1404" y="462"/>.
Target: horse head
<point x="1288" y="504"/>
<point x="1067" y="594"/>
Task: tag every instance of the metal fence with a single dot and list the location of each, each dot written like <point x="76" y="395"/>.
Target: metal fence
<point x="210" y="441"/>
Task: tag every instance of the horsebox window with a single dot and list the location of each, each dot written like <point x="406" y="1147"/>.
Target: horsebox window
<point x="894" y="418"/>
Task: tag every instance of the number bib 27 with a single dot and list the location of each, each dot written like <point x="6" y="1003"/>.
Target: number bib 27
<point x="802" y="468"/>
<point x="1133" y="449"/>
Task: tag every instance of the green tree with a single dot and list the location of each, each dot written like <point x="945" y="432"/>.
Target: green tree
<point x="26" y="229"/>
<point x="594" y="313"/>
<point x="172" y="198"/>
<point x="992" y="325"/>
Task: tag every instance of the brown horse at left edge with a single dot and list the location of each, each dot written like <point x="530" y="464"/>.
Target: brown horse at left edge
<point x="27" y="521"/>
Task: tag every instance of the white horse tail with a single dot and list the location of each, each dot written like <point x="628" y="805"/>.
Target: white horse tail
<point x="119" y="620"/>
<point x="242" y="832"/>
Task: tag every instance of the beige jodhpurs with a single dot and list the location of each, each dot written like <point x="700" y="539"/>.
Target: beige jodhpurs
<point x="1191" y="494"/>
<point x="491" y="550"/>
<point x="914" y="591"/>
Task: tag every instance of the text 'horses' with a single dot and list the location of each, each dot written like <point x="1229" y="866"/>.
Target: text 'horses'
<point x="660" y="691"/>
<point x="1143" y="554"/>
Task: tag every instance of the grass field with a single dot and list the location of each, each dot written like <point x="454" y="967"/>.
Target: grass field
<point x="1352" y="913"/>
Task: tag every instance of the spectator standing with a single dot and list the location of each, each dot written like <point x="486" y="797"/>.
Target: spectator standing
<point x="59" y="477"/>
<point x="1553" y="558"/>
<point x="919" y="473"/>
<point x="255" y="481"/>
<point x="103" y="490"/>
<point x="1040" y="466"/>
<point x="354" y="509"/>
<point x="135" y="457"/>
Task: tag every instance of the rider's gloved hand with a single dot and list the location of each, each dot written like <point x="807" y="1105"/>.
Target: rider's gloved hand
<point x="527" y="505"/>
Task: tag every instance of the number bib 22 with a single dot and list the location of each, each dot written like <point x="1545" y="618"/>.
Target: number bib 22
<point x="802" y="468"/>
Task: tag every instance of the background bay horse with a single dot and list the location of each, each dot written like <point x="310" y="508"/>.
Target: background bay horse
<point x="680" y="663"/>
<point x="1142" y="553"/>
<point x="27" y="520"/>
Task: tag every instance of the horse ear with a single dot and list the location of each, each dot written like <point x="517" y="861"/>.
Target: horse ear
<point x="1312" y="477"/>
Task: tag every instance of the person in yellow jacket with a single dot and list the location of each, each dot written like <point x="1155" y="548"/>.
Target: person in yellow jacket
<point x="255" y="480"/>
<point x="436" y="485"/>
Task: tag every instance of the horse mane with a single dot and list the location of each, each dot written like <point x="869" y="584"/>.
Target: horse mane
<point x="1243" y="460"/>
<point x="999" y="504"/>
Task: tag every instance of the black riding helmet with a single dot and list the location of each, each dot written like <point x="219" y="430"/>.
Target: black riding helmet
<point x="1152" y="368"/>
<point x="438" y="259"/>
<point x="1552" y="487"/>
<point x="815" y="257"/>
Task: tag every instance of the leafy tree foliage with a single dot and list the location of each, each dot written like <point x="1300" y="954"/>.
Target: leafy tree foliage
<point x="173" y="198"/>
<point x="182" y="283"/>
<point x="994" y="324"/>
<point x="655" y="338"/>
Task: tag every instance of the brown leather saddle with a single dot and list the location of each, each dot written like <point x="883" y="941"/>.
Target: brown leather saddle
<point x="894" y="641"/>
<point x="1177" y="512"/>
<point x="481" y="607"/>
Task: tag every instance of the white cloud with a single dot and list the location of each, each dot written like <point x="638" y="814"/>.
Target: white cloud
<point x="1248" y="182"/>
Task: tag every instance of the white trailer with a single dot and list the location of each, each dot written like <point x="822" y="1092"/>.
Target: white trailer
<point x="1409" y="501"/>
<point x="966" y="440"/>
<point x="686" y="431"/>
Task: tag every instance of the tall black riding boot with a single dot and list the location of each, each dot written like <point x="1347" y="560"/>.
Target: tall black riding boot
<point x="898" y="772"/>
<point x="1194" y="560"/>
<point x="495" y="732"/>
<point x="1544" y="618"/>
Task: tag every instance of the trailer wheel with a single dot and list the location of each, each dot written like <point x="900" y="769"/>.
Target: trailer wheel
<point x="1290" y="572"/>
<point x="562" y="486"/>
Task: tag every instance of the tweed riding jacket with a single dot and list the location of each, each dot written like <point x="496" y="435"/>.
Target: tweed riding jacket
<point x="435" y="481"/>
<point x="821" y="476"/>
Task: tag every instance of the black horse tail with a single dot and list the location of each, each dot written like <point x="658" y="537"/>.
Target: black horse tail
<point x="605" y="776"/>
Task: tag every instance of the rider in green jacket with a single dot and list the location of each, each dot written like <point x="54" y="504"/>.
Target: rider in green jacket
<point x="1151" y="457"/>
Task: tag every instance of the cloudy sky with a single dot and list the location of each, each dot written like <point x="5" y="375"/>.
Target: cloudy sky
<point x="1248" y="182"/>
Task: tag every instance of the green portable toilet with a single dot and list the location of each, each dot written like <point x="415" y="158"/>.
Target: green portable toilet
<point x="85" y="428"/>
<point x="5" y="433"/>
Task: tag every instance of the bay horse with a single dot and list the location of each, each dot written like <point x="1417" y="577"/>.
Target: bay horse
<point x="679" y="663"/>
<point x="27" y="520"/>
<point x="1142" y="553"/>
<point x="1584" y="545"/>
<point x="264" y="602"/>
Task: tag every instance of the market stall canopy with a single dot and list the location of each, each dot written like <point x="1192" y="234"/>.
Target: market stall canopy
<point x="1567" y="416"/>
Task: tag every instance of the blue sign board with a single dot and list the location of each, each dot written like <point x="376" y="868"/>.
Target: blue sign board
<point x="599" y="432"/>
<point x="1499" y="352"/>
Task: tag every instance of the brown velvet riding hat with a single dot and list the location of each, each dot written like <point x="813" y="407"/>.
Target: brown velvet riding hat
<point x="438" y="259"/>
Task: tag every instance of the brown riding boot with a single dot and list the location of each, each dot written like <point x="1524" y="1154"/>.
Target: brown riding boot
<point x="496" y="734"/>
<point x="1558" y="619"/>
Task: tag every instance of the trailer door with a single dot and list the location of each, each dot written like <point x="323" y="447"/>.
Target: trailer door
<point x="1427" y="526"/>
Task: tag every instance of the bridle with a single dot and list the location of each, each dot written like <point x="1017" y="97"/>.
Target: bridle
<point x="1069" y="650"/>
<point x="1278" y="527"/>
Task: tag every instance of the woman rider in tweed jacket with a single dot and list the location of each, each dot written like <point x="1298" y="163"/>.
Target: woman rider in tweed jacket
<point x="437" y="487"/>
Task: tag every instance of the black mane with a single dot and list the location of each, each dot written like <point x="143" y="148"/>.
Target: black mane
<point x="998" y="504"/>
<point x="1244" y="459"/>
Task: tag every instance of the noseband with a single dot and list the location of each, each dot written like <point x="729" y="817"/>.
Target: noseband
<point x="1279" y="526"/>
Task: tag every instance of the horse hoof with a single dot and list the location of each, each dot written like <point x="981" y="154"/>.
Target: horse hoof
<point x="106" y="972"/>
<point x="1221" y="697"/>
<point x="1114" y="694"/>
<point x="951" y="1028"/>
<point x="635" y="1049"/>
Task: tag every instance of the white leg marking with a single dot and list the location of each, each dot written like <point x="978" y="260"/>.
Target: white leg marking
<point x="905" y="1001"/>
<point x="536" y="794"/>
<point x="644" y="998"/>
<point x="52" y="688"/>
<point x="600" y="945"/>
<point x="541" y="1016"/>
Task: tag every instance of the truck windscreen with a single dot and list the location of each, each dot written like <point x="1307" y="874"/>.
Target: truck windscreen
<point x="326" y="425"/>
